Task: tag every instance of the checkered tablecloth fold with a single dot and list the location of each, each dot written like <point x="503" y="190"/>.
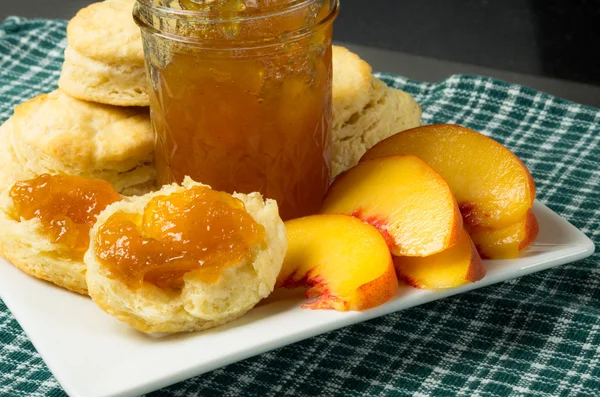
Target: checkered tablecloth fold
<point x="538" y="335"/>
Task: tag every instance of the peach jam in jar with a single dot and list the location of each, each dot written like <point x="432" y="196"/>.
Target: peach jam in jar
<point x="240" y="95"/>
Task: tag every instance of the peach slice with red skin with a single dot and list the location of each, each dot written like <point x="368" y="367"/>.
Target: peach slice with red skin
<point x="451" y="268"/>
<point x="506" y="243"/>
<point x="493" y="187"/>
<point x="344" y="261"/>
<point x="411" y="205"/>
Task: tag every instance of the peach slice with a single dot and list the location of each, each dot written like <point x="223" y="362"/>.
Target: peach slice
<point x="411" y="205"/>
<point x="492" y="186"/>
<point x="506" y="243"/>
<point x="451" y="268"/>
<point x="344" y="261"/>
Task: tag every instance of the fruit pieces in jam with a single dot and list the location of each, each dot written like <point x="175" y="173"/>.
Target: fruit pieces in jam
<point x="199" y="230"/>
<point x="67" y="206"/>
<point x="248" y="120"/>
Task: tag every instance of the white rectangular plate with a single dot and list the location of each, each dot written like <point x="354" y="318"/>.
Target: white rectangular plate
<point x="92" y="354"/>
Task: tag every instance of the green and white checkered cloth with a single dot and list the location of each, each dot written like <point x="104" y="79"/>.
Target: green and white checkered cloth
<point x="538" y="335"/>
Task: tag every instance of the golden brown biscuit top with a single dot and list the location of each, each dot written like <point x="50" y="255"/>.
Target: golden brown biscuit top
<point x="106" y="32"/>
<point x="351" y="76"/>
<point x="59" y="129"/>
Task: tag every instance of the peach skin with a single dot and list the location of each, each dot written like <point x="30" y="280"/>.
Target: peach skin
<point x="456" y="266"/>
<point x="411" y="204"/>
<point x="344" y="261"/>
<point x="492" y="186"/>
<point x="506" y="243"/>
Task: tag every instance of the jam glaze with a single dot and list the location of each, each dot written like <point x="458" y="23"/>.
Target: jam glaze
<point x="198" y="231"/>
<point x="67" y="207"/>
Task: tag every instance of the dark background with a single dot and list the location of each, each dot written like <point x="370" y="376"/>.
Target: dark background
<point x="551" y="45"/>
<point x="554" y="38"/>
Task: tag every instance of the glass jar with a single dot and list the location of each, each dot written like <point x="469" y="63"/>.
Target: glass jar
<point x="240" y="95"/>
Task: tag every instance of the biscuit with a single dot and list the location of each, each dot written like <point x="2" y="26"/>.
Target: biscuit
<point x="52" y="249"/>
<point x="365" y="110"/>
<point x="92" y="80"/>
<point x="197" y="305"/>
<point x="25" y="245"/>
<point x="11" y="169"/>
<point x="351" y="86"/>
<point x="57" y="134"/>
<point x="104" y="59"/>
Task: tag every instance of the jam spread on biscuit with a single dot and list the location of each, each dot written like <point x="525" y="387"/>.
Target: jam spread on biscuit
<point x="199" y="230"/>
<point x="67" y="206"/>
<point x="247" y="119"/>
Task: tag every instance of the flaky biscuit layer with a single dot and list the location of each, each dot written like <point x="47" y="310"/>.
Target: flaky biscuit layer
<point x="119" y="84"/>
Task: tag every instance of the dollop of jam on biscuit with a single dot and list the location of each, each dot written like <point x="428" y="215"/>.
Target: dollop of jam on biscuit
<point x="66" y="205"/>
<point x="198" y="230"/>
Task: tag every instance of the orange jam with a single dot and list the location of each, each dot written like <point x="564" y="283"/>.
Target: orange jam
<point x="199" y="230"/>
<point x="244" y="104"/>
<point x="66" y="205"/>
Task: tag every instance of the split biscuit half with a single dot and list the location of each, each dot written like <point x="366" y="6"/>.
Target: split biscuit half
<point x="198" y="305"/>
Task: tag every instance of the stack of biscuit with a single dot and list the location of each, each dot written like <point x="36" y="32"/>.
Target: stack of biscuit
<point x="97" y="125"/>
<point x="94" y="124"/>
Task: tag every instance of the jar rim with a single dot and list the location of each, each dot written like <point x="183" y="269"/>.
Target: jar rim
<point x="167" y="12"/>
<point x="278" y="9"/>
